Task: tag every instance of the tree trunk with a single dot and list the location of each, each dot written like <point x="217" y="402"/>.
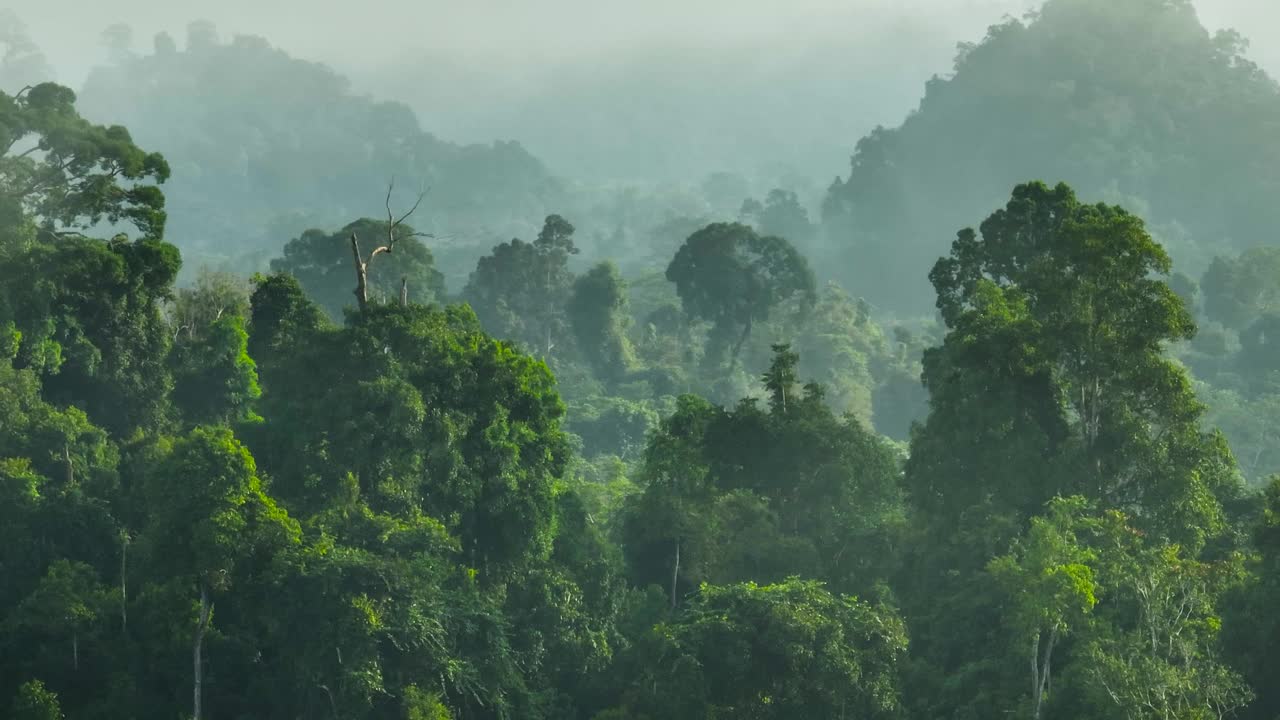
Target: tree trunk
<point x="206" y="609"/>
<point x="75" y="651"/>
<point x="362" y="278"/>
<point x="737" y="348"/>
<point x="124" y="581"/>
<point x="1040" y="670"/>
<point x="675" y="575"/>
<point x="404" y="292"/>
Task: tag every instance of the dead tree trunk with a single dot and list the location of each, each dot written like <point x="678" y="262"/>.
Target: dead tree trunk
<point x="362" y="263"/>
<point x="404" y="291"/>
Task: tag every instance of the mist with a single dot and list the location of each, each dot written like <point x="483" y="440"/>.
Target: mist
<point x="618" y="91"/>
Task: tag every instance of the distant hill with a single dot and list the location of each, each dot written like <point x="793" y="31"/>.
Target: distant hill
<point x="264" y="146"/>
<point x="1131" y="102"/>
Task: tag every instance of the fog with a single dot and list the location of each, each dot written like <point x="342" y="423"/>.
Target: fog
<point x="617" y="90"/>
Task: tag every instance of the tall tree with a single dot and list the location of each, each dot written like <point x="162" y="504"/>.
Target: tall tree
<point x="67" y="174"/>
<point x="1052" y="380"/>
<point x="733" y="277"/>
<point x="597" y="311"/>
<point x="1053" y="374"/>
<point x="519" y="290"/>
<point x="788" y="650"/>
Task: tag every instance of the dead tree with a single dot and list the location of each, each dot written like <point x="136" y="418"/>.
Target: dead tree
<point x="362" y="263"/>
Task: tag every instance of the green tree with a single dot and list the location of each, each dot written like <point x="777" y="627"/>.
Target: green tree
<point x="597" y="311"/>
<point x="1057" y="318"/>
<point x="66" y="606"/>
<point x="1162" y="663"/>
<point x="744" y="494"/>
<point x="67" y="174"/>
<point x="90" y="318"/>
<point x="1250" y="626"/>
<point x="215" y="380"/>
<point x="519" y="291"/>
<point x="1240" y="290"/>
<point x="35" y="702"/>
<point x="1051" y="589"/>
<point x="210" y="525"/>
<point x="788" y="650"/>
<point x="780" y="215"/>
<point x="321" y="262"/>
<point x="732" y="277"/>
<point x="1052" y="380"/>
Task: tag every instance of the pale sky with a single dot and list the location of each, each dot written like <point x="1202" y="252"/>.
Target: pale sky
<point x="370" y="32"/>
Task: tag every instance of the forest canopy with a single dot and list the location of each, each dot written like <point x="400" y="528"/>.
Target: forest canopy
<point x="275" y="443"/>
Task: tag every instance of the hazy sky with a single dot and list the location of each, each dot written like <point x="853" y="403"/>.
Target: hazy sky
<point x="372" y="31"/>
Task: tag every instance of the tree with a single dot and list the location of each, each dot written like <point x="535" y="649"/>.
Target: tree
<point x="1050" y="588"/>
<point x="35" y="702"/>
<point x="788" y="650"/>
<point x="281" y="320"/>
<point x="66" y="605"/>
<point x="520" y="289"/>
<point x="743" y="494"/>
<point x="67" y="174"/>
<point x="731" y="276"/>
<point x="322" y="264"/>
<point x="424" y="411"/>
<point x="1052" y="380"/>
<point x="1057" y="317"/>
<point x="90" y="317"/>
<point x="21" y="64"/>
<point x="597" y="311"/>
<point x="780" y="215"/>
<point x="1164" y="664"/>
<point x="215" y="380"/>
<point x="1238" y="291"/>
<point x="210" y="524"/>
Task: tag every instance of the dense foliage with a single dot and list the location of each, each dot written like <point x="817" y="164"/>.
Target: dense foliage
<point x="693" y="485"/>
<point x="1130" y="101"/>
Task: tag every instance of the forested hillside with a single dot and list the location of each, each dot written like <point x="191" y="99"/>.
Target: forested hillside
<point x="266" y="146"/>
<point x="1133" y="101"/>
<point x="272" y="446"/>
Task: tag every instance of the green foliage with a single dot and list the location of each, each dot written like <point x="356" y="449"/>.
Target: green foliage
<point x="732" y="277"/>
<point x="1053" y="373"/>
<point x="67" y="174"/>
<point x="419" y="705"/>
<point x="322" y="263"/>
<point x="423" y="410"/>
<point x="35" y="702"/>
<point x="1239" y="290"/>
<point x="1133" y="101"/>
<point x="520" y="289"/>
<point x="215" y="380"/>
<point x="597" y="311"/>
<point x="90" y="319"/>
<point x="749" y="495"/>
<point x="788" y="650"/>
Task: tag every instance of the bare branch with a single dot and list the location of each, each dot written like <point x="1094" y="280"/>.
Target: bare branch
<point x="390" y="186"/>
<point x="413" y="209"/>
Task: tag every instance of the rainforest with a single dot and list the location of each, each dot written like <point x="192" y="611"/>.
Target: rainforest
<point x="889" y="378"/>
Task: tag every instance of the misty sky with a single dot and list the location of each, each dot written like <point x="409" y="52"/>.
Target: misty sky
<point x="351" y="35"/>
<point x="615" y="89"/>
